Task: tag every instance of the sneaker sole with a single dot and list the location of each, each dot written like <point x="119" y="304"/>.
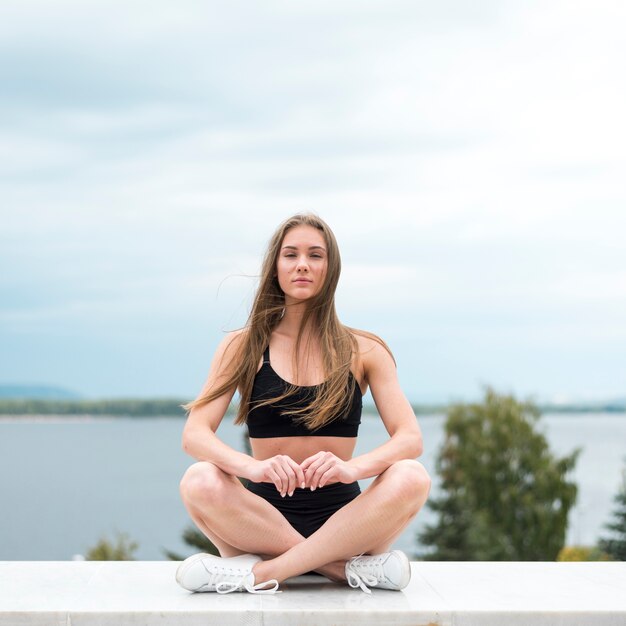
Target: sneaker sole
<point x="403" y="557"/>
<point x="185" y="565"/>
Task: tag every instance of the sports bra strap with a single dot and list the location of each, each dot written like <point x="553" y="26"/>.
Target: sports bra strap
<point x="266" y="355"/>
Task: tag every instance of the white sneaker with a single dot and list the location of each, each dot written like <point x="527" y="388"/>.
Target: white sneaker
<point x="390" y="570"/>
<point x="205" y="572"/>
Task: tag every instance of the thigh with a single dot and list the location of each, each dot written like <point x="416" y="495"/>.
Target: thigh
<point x="407" y="483"/>
<point x="233" y="517"/>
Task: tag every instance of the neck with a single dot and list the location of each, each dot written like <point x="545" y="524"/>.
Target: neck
<point x="292" y="319"/>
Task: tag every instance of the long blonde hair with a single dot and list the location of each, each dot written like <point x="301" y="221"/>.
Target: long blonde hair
<point x="337" y="342"/>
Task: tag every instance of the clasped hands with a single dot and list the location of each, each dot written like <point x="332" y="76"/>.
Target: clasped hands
<point x="315" y="471"/>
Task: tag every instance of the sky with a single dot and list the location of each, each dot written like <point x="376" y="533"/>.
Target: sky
<point x="469" y="157"/>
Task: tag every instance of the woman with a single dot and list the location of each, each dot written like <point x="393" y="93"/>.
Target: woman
<point x="301" y="375"/>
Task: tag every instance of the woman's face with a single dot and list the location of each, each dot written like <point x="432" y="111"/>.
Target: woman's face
<point x="302" y="263"/>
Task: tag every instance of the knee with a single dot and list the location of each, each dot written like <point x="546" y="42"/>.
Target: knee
<point x="410" y="484"/>
<point x="203" y="483"/>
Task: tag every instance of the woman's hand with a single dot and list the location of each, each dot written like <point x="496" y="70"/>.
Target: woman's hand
<point x="281" y="470"/>
<point x="324" y="467"/>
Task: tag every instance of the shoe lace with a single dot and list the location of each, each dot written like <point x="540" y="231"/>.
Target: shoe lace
<point x="363" y="571"/>
<point x="240" y="583"/>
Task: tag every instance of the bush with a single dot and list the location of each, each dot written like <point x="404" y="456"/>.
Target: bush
<point x="105" y="550"/>
<point x="582" y="553"/>
<point x="504" y="494"/>
<point x="615" y="545"/>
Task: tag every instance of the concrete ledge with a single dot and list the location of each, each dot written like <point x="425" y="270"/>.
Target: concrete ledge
<point x="460" y="594"/>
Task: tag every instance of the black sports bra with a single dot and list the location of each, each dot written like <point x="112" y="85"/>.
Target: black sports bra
<point x="269" y="421"/>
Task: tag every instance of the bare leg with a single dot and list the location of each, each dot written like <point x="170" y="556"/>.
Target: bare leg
<point x="216" y="502"/>
<point x="238" y="521"/>
<point x="369" y="522"/>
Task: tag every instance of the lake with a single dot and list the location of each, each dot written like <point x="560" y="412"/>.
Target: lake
<point x="65" y="482"/>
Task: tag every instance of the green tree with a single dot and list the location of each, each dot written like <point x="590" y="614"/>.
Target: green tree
<point x="615" y="545"/>
<point x="504" y="494"/>
<point x="121" y="549"/>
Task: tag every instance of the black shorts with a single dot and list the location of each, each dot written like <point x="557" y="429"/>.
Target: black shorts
<point x="307" y="510"/>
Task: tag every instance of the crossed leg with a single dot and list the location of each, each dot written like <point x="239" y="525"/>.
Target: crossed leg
<point x="238" y="521"/>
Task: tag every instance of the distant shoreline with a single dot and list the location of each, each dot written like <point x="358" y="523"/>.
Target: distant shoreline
<point x="88" y="410"/>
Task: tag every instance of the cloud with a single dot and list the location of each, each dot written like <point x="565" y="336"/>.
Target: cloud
<point x="469" y="158"/>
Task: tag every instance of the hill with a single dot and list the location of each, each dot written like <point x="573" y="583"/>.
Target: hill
<point x="42" y="392"/>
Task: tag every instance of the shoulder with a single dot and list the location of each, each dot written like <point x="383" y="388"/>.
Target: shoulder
<point x="371" y="349"/>
<point x="369" y="342"/>
<point x="230" y="343"/>
<point x="234" y="337"/>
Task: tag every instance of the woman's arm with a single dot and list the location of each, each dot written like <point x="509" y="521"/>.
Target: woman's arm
<point x="405" y="435"/>
<point x="397" y="414"/>
<point x="200" y="441"/>
<point x="199" y="438"/>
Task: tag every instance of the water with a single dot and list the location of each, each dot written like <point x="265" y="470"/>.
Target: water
<point x="67" y="482"/>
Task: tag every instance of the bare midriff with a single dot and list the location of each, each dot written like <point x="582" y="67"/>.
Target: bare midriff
<point x="300" y="448"/>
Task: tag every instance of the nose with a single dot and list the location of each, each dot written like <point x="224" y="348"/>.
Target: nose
<point x="303" y="265"/>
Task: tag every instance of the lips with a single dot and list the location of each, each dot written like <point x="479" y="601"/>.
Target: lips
<point x="302" y="280"/>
